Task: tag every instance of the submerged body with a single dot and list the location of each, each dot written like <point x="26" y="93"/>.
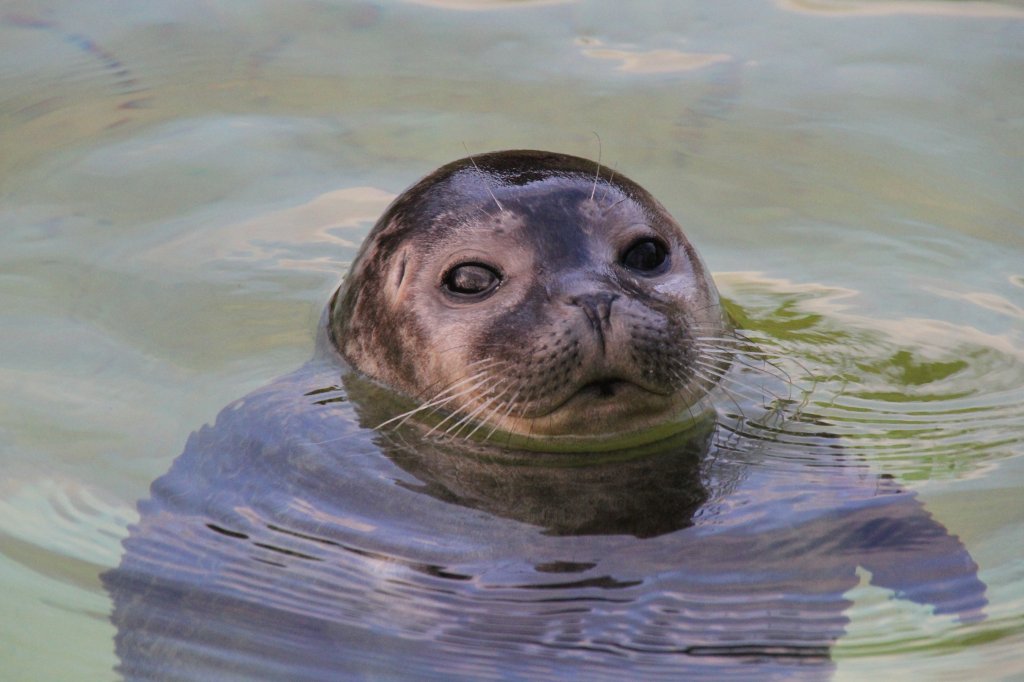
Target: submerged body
<point x="558" y="501"/>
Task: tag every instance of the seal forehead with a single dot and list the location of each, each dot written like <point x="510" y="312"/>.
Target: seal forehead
<point x="488" y="183"/>
<point x="551" y="213"/>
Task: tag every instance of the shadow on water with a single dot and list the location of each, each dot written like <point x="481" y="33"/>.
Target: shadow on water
<point x="292" y="541"/>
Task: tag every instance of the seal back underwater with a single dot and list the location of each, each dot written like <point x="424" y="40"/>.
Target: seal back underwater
<point x="293" y="539"/>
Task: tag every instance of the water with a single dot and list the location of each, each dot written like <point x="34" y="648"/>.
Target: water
<point x="183" y="184"/>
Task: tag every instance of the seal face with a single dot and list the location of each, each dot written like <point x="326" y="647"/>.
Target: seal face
<point x="524" y="292"/>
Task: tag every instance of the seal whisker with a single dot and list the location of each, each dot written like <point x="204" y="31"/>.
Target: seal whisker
<point x="484" y="380"/>
<point x="493" y="411"/>
<point x="753" y="351"/>
<point x="440" y="400"/>
<point x="611" y="177"/>
<point x="476" y="410"/>
<point x="728" y="378"/>
<point x="483" y="365"/>
<point x="715" y="370"/>
<point x="766" y="357"/>
<point x="446" y="394"/>
<point x="482" y="407"/>
<point x="776" y="405"/>
<point x="727" y="345"/>
<point x="732" y="337"/>
<point x="723" y="351"/>
<point x="437" y="401"/>
<point x="487" y="185"/>
<point x="735" y="396"/>
<point x="511" y="406"/>
<point x="476" y="364"/>
<point x="404" y="417"/>
<point x="455" y="413"/>
<point x="615" y="204"/>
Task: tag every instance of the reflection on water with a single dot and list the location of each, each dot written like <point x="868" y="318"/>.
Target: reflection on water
<point x="653" y="61"/>
<point x="862" y="8"/>
<point x="181" y="185"/>
<point x="289" y="540"/>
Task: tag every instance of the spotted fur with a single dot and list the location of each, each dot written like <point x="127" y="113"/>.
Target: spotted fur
<point x="572" y="342"/>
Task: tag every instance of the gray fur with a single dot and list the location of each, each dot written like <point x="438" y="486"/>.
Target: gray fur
<point x="568" y="325"/>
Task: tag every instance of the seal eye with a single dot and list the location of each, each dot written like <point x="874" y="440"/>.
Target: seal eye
<point x="646" y="257"/>
<point x="471" y="280"/>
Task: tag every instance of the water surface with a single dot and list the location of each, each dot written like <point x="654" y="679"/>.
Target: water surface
<point x="183" y="184"/>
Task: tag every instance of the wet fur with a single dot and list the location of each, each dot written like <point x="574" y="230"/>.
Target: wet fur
<point x="573" y="316"/>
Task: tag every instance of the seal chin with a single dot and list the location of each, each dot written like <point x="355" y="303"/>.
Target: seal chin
<point x="606" y="390"/>
<point x="604" y="415"/>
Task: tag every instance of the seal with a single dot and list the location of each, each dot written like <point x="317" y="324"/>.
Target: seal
<point x="525" y="292"/>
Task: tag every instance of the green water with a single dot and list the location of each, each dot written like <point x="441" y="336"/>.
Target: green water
<point x="183" y="184"/>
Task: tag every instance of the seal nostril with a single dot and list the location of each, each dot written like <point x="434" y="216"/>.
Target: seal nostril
<point x="597" y="306"/>
<point x="598" y="309"/>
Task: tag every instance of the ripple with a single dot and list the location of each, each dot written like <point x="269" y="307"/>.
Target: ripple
<point x="452" y="571"/>
<point x="62" y="528"/>
<point x="919" y="400"/>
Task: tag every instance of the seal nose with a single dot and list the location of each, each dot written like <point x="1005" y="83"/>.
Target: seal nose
<point x="598" y="309"/>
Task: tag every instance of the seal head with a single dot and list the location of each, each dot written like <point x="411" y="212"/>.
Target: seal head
<point x="528" y="293"/>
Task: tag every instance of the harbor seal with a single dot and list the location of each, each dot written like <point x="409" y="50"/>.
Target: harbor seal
<point x="524" y="292"/>
<point x="321" y="529"/>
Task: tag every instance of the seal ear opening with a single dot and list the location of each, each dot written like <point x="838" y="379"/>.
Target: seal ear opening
<point x="399" y="276"/>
